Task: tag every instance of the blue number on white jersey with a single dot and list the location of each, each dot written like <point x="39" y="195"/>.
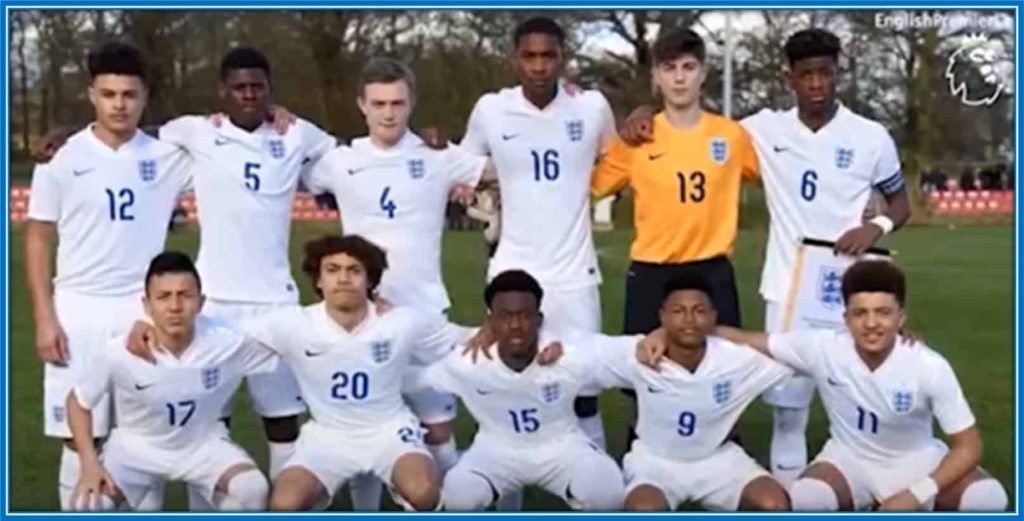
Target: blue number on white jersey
<point x="356" y="386"/>
<point x="545" y="164"/>
<point x="120" y="204"/>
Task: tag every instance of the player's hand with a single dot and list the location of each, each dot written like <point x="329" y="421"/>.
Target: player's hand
<point x="651" y="349"/>
<point x="462" y="194"/>
<point x="93" y="483"/>
<point x="909" y="337"/>
<point x="551" y="353"/>
<point x="142" y="341"/>
<point x="434" y="137"/>
<point x="902" y="501"/>
<point x="480" y="343"/>
<point x="44" y="148"/>
<point x="281" y="117"/>
<point x="382" y="305"/>
<point x="52" y="342"/>
<point x="858" y="240"/>
<point x="639" y="126"/>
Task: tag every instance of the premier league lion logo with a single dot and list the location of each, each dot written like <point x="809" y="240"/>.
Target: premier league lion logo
<point x="972" y="71"/>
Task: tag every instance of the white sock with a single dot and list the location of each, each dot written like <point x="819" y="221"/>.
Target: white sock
<point x="594" y="429"/>
<point x="813" y="494"/>
<point x="247" y="491"/>
<point x="789" y="443"/>
<point x="365" y="491"/>
<point x="985" y="495"/>
<point x="67" y="478"/>
<point x="510" y="502"/>
<point x="280" y="453"/>
<point x="446" y="455"/>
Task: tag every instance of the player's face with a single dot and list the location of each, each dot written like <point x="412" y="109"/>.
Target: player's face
<point x="343" y="282"/>
<point x="119" y="101"/>
<point x="387" y="107"/>
<point x="516" y="320"/>
<point x="813" y="80"/>
<point x="688" y="318"/>
<point x="245" y="96"/>
<point x="173" y="300"/>
<point x="680" y="80"/>
<point x="537" y="60"/>
<point x="874" y="319"/>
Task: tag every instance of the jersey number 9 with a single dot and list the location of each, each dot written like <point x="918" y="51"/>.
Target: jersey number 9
<point x="687" y="424"/>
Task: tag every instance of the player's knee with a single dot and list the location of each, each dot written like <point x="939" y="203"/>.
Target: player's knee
<point x="286" y="498"/>
<point x="777" y="501"/>
<point x="466" y="491"/>
<point x="585" y="406"/>
<point x="247" y="490"/>
<point x="646" y="498"/>
<point x="984" y="495"/>
<point x="601" y="489"/>
<point x="813" y="494"/>
<point x="420" y="493"/>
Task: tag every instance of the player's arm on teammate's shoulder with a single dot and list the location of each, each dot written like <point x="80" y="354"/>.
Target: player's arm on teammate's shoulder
<point x="613" y="171"/>
<point x="750" y="169"/>
<point x="638" y="127"/>
<point x="887" y="178"/>
<point x="45" y="147"/>
<point x="483" y="340"/>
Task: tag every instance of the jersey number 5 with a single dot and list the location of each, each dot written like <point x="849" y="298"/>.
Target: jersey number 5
<point x="252" y="176"/>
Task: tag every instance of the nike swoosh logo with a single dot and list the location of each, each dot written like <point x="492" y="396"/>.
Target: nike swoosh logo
<point x="354" y="171"/>
<point x="835" y="383"/>
<point x="139" y="387"/>
<point x="312" y="354"/>
<point x="654" y="156"/>
<point x="507" y="137"/>
<point x="482" y="392"/>
<point x="82" y="172"/>
<point x="780" y="149"/>
<point x="653" y="390"/>
<point x="787" y="468"/>
<point x="219" y="141"/>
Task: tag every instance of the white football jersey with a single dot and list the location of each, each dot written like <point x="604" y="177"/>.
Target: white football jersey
<point x="111" y="208"/>
<point x="177" y="402"/>
<point x="514" y="408"/>
<point x="682" y="415"/>
<point x="397" y="198"/>
<point x="244" y="186"/>
<point x="351" y="380"/>
<point x="544" y="159"/>
<point x="817" y="184"/>
<point x="883" y="414"/>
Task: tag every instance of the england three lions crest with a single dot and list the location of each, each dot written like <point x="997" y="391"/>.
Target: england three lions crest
<point x="211" y="377"/>
<point x="147" y="170"/>
<point x="902" y="401"/>
<point x="417" y="168"/>
<point x="719" y="149"/>
<point x="830" y="287"/>
<point x="574" y="129"/>
<point x="380" y="350"/>
<point x="722" y="391"/>
<point x="550" y="392"/>
<point x="844" y="158"/>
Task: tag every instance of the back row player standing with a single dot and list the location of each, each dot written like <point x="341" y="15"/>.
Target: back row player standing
<point x="544" y="143"/>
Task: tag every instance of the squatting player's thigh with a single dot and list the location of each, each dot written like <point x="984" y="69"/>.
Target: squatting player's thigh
<point x="890" y="478"/>
<point x="640" y="466"/>
<point x="852" y="468"/>
<point x="432" y="407"/>
<point x="726" y="473"/>
<point x="138" y="470"/>
<point x="494" y="468"/>
<point x="208" y="463"/>
<point x="583" y="475"/>
<point x="330" y="455"/>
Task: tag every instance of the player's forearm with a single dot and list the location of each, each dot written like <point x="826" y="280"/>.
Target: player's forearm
<point x="39" y="268"/>
<point x="755" y="339"/>
<point x="963" y="457"/>
<point x="898" y="208"/>
<point x="80" y="422"/>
